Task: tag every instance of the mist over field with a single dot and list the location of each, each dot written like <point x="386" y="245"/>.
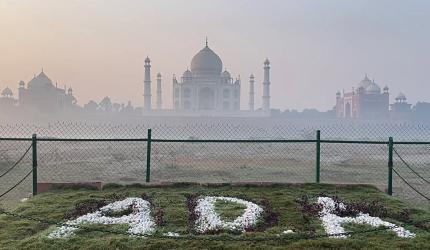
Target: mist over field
<point x="316" y="48"/>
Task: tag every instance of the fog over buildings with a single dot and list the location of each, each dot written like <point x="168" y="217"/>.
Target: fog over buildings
<point x="348" y="59"/>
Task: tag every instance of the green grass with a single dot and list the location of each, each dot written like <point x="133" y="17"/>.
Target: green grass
<point x="228" y="210"/>
<point x="23" y="234"/>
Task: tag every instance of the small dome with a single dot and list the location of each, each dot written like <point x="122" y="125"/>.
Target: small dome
<point x="7" y="92"/>
<point x="158" y="75"/>
<point x="252" y="76"/>
<point x="226" y="74"/>
<point x="373" y="88"/>
<point x="187" y="74"/>
<point x="147" y="60"/>
<point x="206" y="62"/>
<point x="366" y="82"/>
<point x="21" y="83"/>
<point x="401" y="97"/>
<point x="266" y="62"/>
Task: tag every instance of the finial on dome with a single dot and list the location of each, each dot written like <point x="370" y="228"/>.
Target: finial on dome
<point x="206" y="41"/>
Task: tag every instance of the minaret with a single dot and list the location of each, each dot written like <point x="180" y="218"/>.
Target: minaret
<point x="251" y="93"/>
<point x="159" y="101"/>
<point x="266" y="87"/>
<point x="147" y="86"/>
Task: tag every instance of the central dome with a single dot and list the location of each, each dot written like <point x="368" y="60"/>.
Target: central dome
<point x="40" y="81"/>
<point x="206" y="62"/>
<point x="366" y="82"/>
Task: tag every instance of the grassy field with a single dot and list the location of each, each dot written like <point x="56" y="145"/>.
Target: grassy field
<point x="24" y="234"/>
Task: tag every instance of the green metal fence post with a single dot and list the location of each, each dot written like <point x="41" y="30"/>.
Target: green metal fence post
<point x="34" y="147"/>
<point x="390" y="166"/>
<point x="318" y="160"/>
<point x="148" y="157"/>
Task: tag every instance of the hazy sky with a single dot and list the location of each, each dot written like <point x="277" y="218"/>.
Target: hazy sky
<point x="315" y="47"/>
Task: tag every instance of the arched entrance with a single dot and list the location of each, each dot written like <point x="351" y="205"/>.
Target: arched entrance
<point x="206" y="99"/>
<point x="348" y="110"/>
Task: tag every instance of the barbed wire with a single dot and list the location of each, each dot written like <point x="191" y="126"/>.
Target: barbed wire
<point x="412" y="187"/>
<point x="407" y="165"/>
<point x="16" y="185"/>
<point x="17" y="162"/>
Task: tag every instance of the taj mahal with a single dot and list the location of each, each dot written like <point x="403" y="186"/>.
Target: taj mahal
<point x="206" y="90"/>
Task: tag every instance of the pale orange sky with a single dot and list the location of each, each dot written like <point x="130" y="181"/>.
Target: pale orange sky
<point x="316" y="47"/>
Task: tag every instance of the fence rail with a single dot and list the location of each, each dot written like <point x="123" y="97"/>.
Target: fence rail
<point x="228" y="160"/>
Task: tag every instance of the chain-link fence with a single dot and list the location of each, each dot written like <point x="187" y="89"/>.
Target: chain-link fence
<point x="287" y="153"/>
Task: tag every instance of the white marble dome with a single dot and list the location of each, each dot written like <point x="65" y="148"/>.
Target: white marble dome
<point x="206" y="62"/>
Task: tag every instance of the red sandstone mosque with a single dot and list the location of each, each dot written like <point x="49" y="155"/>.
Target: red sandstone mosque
<point x="367" y="101"/>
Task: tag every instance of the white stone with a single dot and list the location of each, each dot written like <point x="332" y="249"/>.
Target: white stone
<point x="333" y="224"/>
<point x="210" y="220"/>
<point x="288" y="232"/>
<point x="171" y="234"/>
<point x="140" y="221"/>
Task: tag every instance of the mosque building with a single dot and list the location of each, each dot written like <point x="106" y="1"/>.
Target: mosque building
<point x="205" y="89"/>
<point x="41" y="94"/>
<point x="365" y="102"/>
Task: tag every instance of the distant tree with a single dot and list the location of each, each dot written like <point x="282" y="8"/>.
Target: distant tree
<point x="309" y="114"/>
<point x="138" y="110"/>
<point x="422" y="111"/>
<point x="91" y="106"/>
<point x="116" y="107"/>
<point x="106" y="104"/>
<point x="128" y="109"/>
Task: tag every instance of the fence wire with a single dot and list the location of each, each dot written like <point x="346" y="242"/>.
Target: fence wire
<point x="230" y="129"/>
<point x="232" y="162"/>
<point x="412" y="163"/>
<point x="121" y="162"/>
<point x="354" y="163"/>
<point x="124" y="160"/>
<point x="15" y="163"/>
